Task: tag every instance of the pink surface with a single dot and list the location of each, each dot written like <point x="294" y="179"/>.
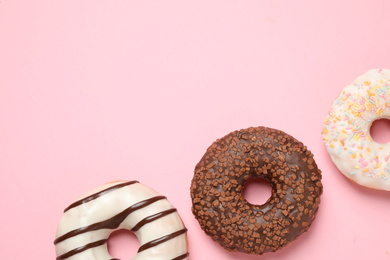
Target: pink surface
<point x="95" y="91"/>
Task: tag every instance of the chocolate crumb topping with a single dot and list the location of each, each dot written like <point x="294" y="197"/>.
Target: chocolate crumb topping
<point x="223" y="212"/>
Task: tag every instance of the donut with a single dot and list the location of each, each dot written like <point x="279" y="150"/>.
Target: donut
<point x="346" y="132"/>
<point x="86" y="224"/>
<point x="219" y="178"/>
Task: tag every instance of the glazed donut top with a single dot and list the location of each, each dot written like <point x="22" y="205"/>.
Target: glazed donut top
<point x="347" y="130"/>
<point x="223" y="212"/>
<point x="86" y="224"/>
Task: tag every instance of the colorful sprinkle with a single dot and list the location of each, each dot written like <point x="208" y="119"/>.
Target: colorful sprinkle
<point x="346" y="130"/>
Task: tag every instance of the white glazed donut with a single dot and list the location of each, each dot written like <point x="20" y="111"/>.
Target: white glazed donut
<point x="87" y="223"/>
<point x="347" y="130"/>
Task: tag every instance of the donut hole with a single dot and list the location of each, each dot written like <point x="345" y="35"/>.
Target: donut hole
<point x="123" y="244"/>
<point x="380" y="130"/>
<point x="257" y="190"/>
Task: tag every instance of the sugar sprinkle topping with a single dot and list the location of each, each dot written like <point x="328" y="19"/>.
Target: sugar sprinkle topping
<point x="347" y="125"/>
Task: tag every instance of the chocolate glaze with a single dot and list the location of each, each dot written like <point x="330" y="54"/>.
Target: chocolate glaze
<point x="81" y="249"/>
<point x="219" y="179"/>
<point x="152" y="218"/>
<point x="181" y="257"/>
<point x="98" y="194"/>
<point x="161" y="240"/>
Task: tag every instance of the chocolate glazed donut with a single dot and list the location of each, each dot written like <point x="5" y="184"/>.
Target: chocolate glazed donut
<point x="220" y="176"/>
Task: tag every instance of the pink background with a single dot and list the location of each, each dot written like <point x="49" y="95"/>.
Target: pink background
<point x="93" y="91"/>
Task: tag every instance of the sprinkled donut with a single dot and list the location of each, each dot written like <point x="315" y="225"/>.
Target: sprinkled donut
<point x="347" y="130"/>
<point x="228" y="218"/>
<point x="87" y="223"/>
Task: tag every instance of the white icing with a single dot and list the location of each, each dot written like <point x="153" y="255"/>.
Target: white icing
<point x="347" y="130"/>
<point x="109" y="205"/>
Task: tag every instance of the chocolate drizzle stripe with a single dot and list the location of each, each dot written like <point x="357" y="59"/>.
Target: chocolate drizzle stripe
<point x="181" y="257"/>
<point x="161" y="240"/>
<point x="81" y="249"/>
<point x="98" y="194"/>
<point x="152" y="218"/>
<point x="111" y="223"/>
